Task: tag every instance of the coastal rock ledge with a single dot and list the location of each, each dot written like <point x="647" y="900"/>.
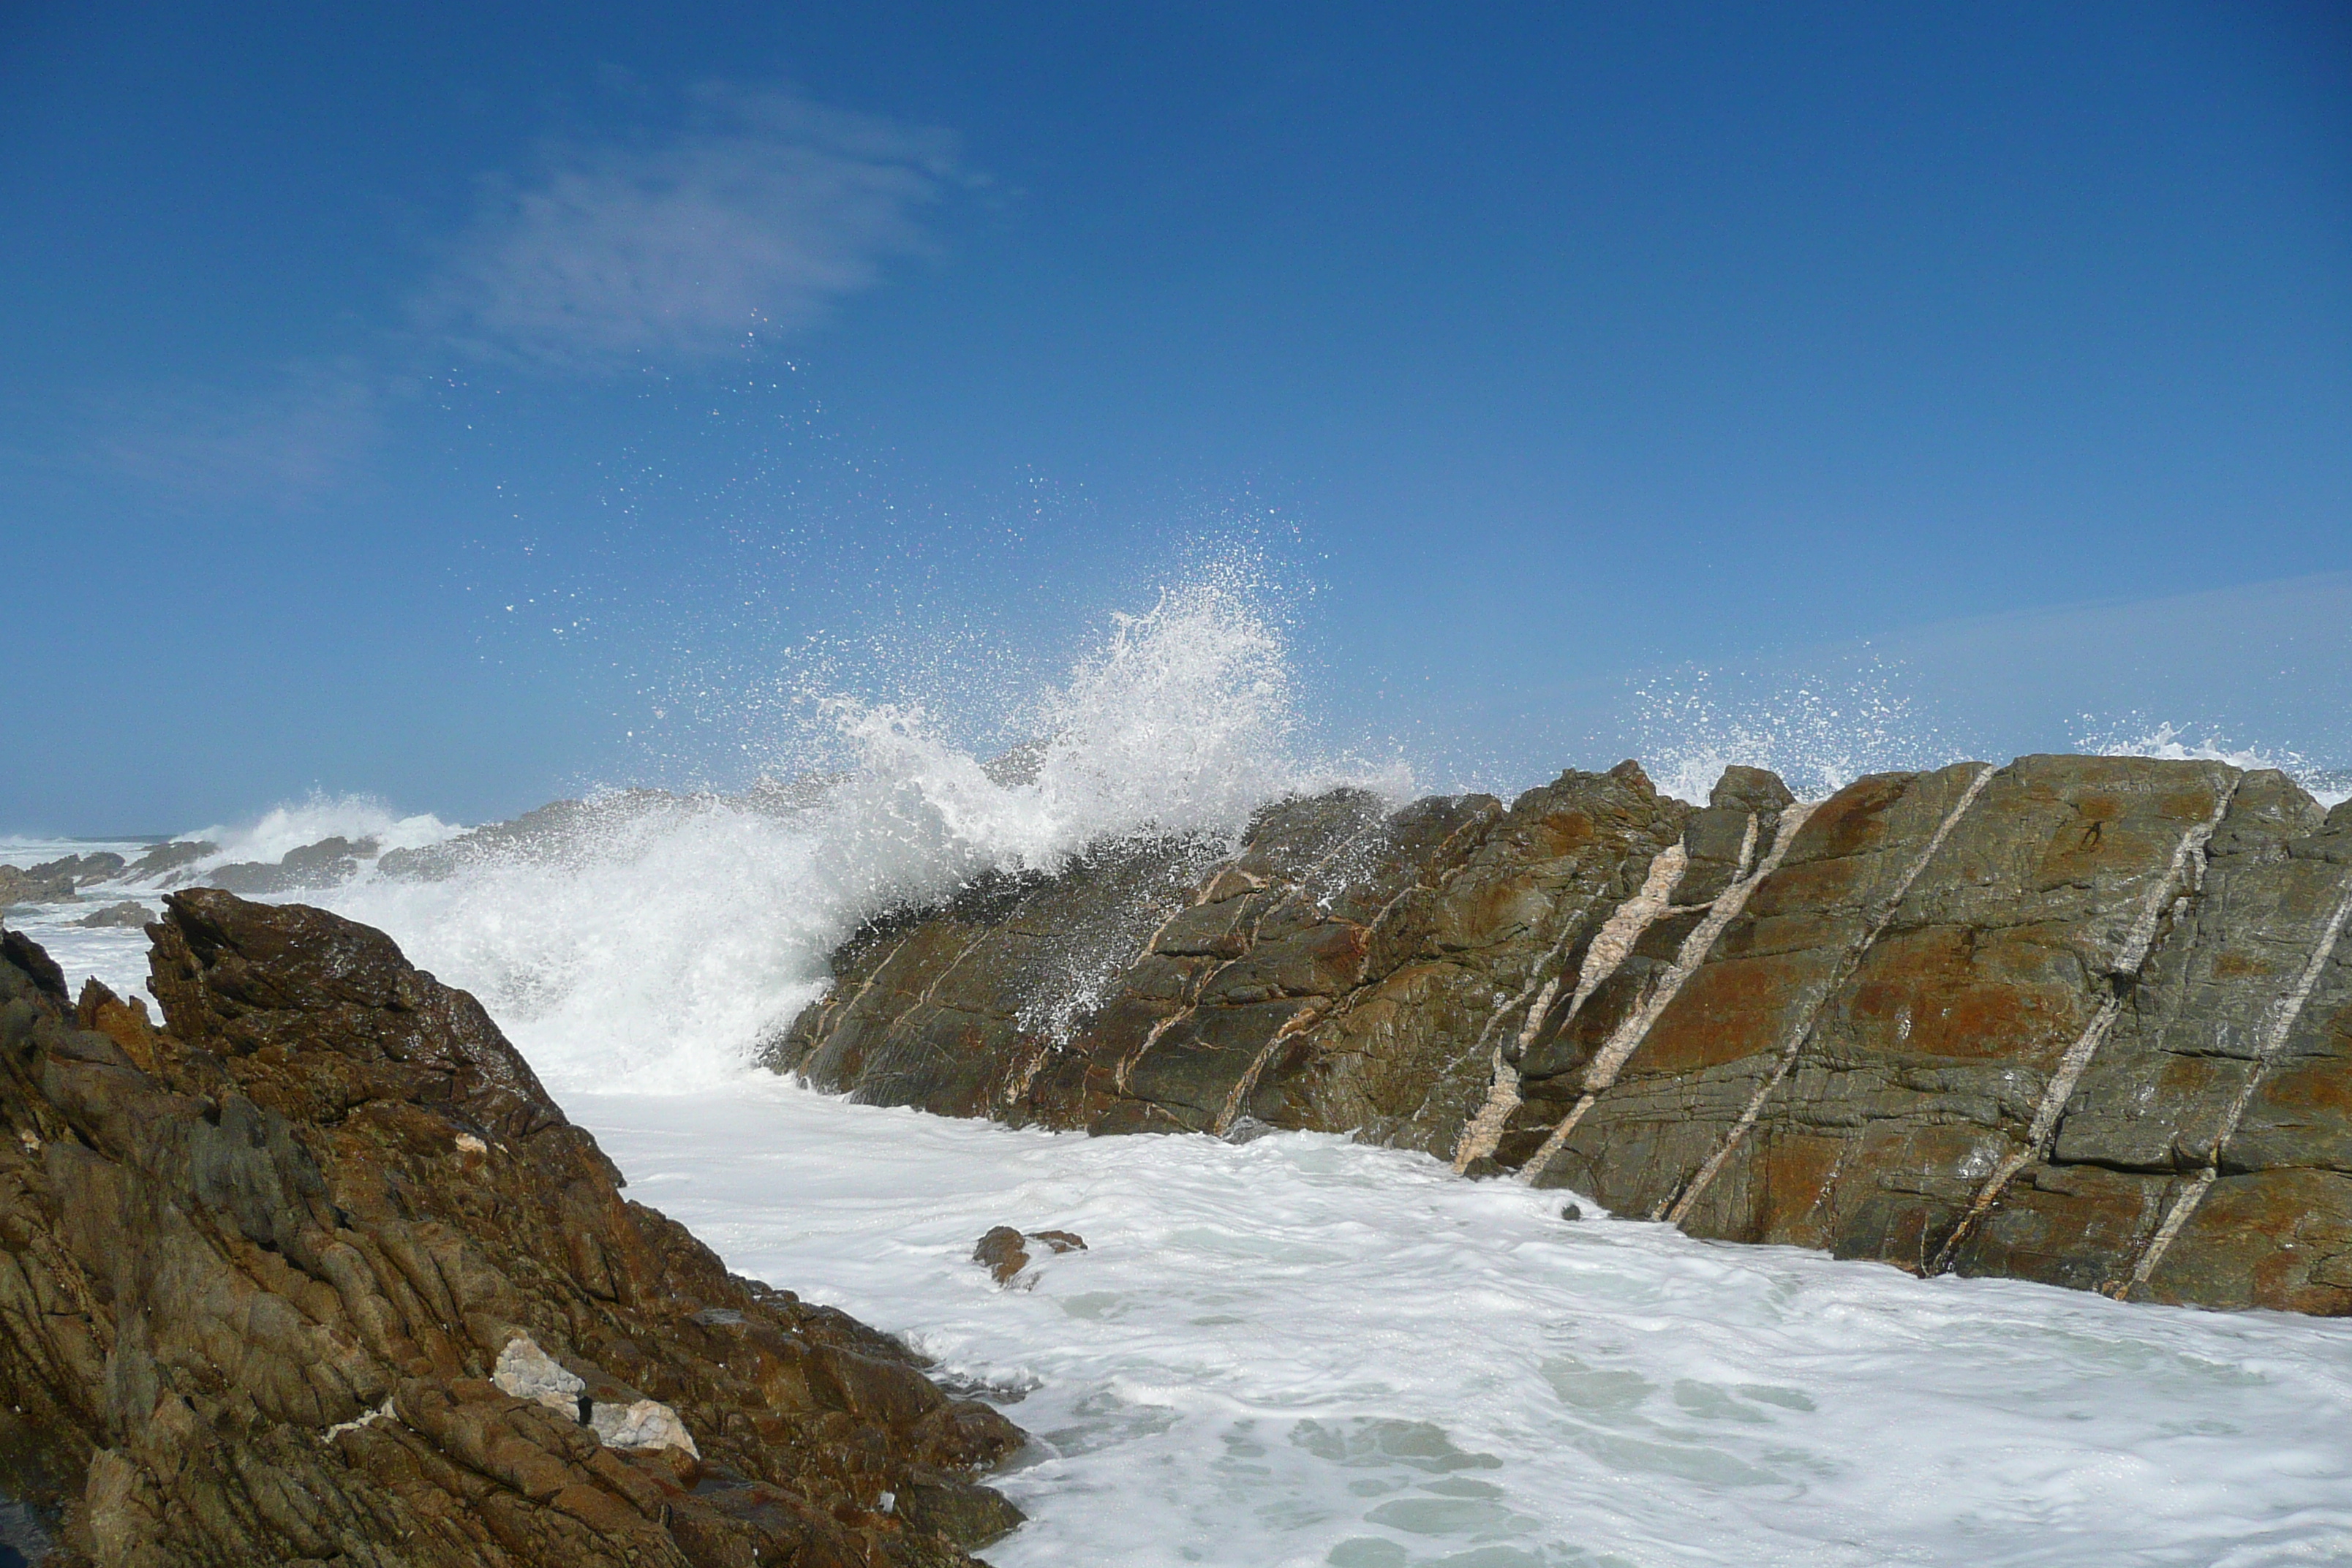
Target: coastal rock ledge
<point x="317" y="1273"/>
<point x="2082" y="1020"/>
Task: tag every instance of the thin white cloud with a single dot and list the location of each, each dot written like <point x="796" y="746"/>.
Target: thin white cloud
<point x="748" y="225"/>
<point x="284" y="445"/>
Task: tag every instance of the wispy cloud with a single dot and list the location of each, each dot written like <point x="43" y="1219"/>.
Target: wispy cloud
<point x="285" y="446"/>
<point x="747" y="225"/>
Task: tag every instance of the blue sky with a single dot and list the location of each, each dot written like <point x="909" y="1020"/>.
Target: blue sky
<point x="1998" y="358"/>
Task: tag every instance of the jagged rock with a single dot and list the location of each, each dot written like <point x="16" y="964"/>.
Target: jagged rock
<point x="270" y="1277"/>
<point x="2079" y="1019"/>
<point x="1346" y="968"/>
<point x="329" y="863"/>
<point x="127" y="914"/>
<point x="158" y="863"/>
<point x="1060" y="1240"/>
<point x="57" y="881"/>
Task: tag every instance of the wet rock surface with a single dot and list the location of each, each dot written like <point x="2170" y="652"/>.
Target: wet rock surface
<point x="1004" y="1251"/>
<point x="2077" y="1019"/>
<point x="317" y="1272"/>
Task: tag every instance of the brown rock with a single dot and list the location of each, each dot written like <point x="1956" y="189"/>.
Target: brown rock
<point x="1001" y="1253"/>
<point x="271" y="1278"/>
<point x="127" y="914"/>
<point x="2079" y="1019"/>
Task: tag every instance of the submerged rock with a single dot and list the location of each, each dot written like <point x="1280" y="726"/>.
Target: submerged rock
<point x="1004" y="1251"/>
<point x="1001" y="1252"/>
<point x="2078" y="1019"/>
<point x="317" y="1272"/>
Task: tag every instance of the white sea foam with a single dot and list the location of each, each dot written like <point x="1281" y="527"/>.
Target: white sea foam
<point x="672" y="934"/>
<point x="293" y="825"/>
<point x="1303" y="1350"/>
<point x="117" y="955"/>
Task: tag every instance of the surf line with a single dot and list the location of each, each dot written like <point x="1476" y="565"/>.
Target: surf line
<point x="1627" y="1038"/>
<point x="1680" y="1205"/>
<point x="2072" y="1066"/>
<point x="2282" y="1021"/>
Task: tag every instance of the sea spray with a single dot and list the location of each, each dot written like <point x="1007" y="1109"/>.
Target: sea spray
<point x="1819" y="732"/>
<point x="2135" y="736"/>
<point x="663" y="938"/>
<point x="366" y="822"/>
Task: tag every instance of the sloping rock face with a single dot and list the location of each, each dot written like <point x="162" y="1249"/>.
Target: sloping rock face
<point x="320" y="1274"/>
<point x="2078" y="1019"/>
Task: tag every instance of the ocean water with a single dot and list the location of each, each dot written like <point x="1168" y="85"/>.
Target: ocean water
<point x="1300" y="1350"/>
<point x="1306" y="1351"/>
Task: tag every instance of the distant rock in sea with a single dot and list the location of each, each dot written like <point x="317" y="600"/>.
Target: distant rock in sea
<point x="128" y="912"/>
<point x="57" y="881"/>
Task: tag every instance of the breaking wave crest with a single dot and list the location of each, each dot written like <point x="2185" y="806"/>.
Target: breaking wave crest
<point x="643" y="941"/>
<point x="648" y="941"/>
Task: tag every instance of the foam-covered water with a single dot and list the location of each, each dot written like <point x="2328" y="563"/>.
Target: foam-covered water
<point x="1303" y="1350"/>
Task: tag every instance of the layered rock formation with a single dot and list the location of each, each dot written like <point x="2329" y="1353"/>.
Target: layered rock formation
<point x="319" y="1273"/>
<point x="2078" y="1019"/>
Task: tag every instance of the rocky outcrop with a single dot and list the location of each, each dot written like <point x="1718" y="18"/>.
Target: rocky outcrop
<point x="165" y="861"/>
<point x="1004" y="1251"/>
<point x="329" y="863"/>
<point x="57" y="881"/>
<point x="317" y="1273"/>
<point x="130" y="913"/>
<point x="62" y="882"/>
<point x="2077" y="1019"/>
